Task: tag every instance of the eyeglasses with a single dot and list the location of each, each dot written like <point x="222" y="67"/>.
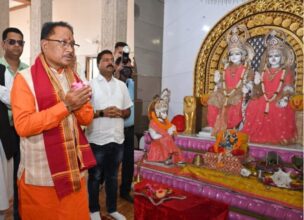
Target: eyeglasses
<point x="13" y="42"/>
<point x="64" y="43"/>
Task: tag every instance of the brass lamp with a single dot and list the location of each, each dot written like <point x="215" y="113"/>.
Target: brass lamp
<point x="138" y="177"/>
<point x="197" y="160"/>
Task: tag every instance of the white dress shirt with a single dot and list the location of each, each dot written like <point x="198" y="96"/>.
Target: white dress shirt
<point x="5" y="91"/>
<point x="104" y="130"/>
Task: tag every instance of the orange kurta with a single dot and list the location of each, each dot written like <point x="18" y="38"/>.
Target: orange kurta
<point x="40" y="201"/>
<point x="24" y="107"/>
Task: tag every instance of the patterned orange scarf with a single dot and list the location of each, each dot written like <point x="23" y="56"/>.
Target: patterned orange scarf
<point x="67" y="149"/>
<point x="164" y="125"/>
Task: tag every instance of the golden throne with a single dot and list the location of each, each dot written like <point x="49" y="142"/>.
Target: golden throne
<point x="259" y="16"/>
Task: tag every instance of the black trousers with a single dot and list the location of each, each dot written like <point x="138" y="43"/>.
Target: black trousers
<point x="108" y="158"/>
<point x="127" y="161"/>
<point x="16" y="157"/>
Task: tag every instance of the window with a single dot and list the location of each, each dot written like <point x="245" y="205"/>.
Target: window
<point x="92" y="70"/>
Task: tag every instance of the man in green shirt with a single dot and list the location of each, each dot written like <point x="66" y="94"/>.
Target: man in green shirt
<point x="12" y="45"/>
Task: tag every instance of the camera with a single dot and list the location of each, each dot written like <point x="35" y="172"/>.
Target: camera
<point x="125" y="55"/>
<point x="124" y="60"/>
<point x="126" y="71"/>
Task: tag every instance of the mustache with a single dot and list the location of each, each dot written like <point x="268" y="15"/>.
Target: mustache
<point x="70" y="55"/>
<point x="110" y="65"/>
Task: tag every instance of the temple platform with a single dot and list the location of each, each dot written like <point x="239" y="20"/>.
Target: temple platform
<point x="247" y="197"/>
<point x="193" y="144"/>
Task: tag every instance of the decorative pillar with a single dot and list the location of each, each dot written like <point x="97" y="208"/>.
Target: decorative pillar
<point x="41" y="12"/>
<point x="113" y="23"/>
<point x="4" y="18"/>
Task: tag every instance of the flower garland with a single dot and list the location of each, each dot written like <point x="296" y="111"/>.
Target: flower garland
<point x="165" y="125"/>
<point x="227" y="95"/>
<point x="276" y="92"/>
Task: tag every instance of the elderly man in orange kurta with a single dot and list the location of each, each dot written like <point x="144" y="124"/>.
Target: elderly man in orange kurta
<point x="48" y="112"/>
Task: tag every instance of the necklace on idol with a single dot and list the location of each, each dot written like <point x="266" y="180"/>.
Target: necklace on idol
<point x="228" y="94"/>
<point x="268" y="100"/>
<point x="273" y="74"/>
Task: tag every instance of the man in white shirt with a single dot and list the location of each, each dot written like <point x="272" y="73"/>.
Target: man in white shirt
<point x="111" y="102"/>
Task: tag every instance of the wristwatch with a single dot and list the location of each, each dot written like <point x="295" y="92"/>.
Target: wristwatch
<point x="101" y="113"/>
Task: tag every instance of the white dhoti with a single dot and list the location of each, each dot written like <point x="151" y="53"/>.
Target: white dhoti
<point x="6" y="180"/>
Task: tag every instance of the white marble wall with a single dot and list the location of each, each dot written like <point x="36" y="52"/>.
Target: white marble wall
<point x="186" y="24"/>
<point x="148" y="48"/>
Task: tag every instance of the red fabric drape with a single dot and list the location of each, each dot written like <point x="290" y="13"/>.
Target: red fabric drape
<point x="193" y="207"/>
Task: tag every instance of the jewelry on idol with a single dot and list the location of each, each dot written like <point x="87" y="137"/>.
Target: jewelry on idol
<point x="268" y="100"/>
<point x="227" y="95"/>
<point x="273" y="74"/>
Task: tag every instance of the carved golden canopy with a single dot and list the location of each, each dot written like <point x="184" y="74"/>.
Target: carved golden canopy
<point x="259" y="16"/>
